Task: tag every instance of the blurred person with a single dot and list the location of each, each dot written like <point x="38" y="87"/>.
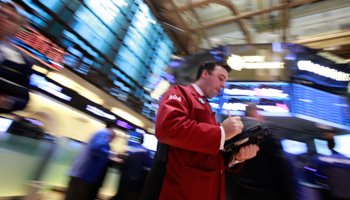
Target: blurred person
<point x="134" y="171"/>
<point x="266" y="176"/>
<point x="88" y="171"/>
<point x="189" y="163"/>
<point x="15" y="66"/>
<point x="333" y="171"/>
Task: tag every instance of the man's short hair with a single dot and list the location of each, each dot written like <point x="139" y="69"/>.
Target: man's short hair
<point x="209" y="66"/>
<point x="111" y="124"/>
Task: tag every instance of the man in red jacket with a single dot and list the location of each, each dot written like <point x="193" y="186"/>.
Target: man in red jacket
<point x="188" y="164"/>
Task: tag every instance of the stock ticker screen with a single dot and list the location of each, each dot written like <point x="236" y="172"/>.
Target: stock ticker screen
<point x="273" y="98"/>
<point x="321" y="107"/>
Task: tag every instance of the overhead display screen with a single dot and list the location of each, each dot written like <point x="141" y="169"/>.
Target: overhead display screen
<point x="321" y="107"/>
<point x="273" y="98"/>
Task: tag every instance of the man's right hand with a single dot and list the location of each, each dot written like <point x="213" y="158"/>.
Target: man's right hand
<point x="232" y="126"/>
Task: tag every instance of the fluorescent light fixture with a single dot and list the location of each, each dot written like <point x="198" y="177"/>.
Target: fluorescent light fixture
<point x="40" y="69"/>
<point x="127" y="116"/>
<point x="238" y="63"/>
<point x="42" y="83"/>
<point x="55" y="104"/>
<point x="332" y="57"/>
<point x="67" y="82"/>
<point x="308" y="65"/>
<point x="99" y="112"/>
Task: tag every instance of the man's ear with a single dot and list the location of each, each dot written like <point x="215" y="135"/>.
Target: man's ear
<point x="205" y="74"/>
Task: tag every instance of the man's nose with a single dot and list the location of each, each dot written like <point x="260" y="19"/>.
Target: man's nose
<point x="223" y="85"/>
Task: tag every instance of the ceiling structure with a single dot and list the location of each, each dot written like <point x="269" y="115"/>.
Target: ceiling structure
<point x="195" y="25"/>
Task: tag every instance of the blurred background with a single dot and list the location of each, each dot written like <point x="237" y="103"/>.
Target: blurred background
<point x="102" y="60"/>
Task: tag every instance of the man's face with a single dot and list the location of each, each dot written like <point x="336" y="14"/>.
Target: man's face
<point x="215" y="81"/>
<point x="10" y="20"/>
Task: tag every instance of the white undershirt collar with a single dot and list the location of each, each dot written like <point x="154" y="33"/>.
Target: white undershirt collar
<point x="200" y="92"/>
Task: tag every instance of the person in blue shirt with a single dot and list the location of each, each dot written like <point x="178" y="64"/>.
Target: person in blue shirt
<point x="88" y="170"/>
<point x="15" y="66"/>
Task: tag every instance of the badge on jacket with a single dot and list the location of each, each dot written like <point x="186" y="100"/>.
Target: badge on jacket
<point x="201" y="100"/>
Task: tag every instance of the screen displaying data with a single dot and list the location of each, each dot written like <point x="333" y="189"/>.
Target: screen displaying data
<point x="273" y="98"/>
<point x="321" y="107"/>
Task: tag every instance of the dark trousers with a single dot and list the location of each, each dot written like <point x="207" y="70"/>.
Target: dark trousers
<point x="129" y="188"/>
<point x="81" y="190"/>
<point x="126" y="195"/>
<point x="248" y="193"/>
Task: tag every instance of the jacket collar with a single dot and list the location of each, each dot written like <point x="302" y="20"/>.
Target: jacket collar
<point x="194" y="91"/>
<point x="197" y="96"/>
<point x="198" y="90"/>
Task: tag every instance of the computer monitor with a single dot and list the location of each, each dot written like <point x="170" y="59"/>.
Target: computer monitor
<point x="321" y="147"/>
<point x="294" y="147"/>
<point x="342" y="144"/>
<point x="5" y="124"/>
<point x="150" y="142"/>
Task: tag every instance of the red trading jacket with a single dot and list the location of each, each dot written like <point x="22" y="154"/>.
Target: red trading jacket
<point x="195" y="168"/>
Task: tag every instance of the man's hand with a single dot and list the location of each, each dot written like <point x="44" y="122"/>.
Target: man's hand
<point x="247" y="152"/>
<point x="114" y="156"/>
<point x="232" y="126"/>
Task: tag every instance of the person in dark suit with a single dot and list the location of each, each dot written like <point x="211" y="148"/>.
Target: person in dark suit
<point x="88" y="170"/>
<point x="266" y="176"/>
<point x="134" y="171"/>
<point x="333" y="171"/>
<point x="15" y="66"/>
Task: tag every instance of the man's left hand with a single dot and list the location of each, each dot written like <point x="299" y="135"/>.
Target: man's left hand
<point x="247" y="152"/>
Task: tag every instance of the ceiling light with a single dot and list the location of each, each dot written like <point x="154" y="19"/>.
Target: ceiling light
<point x="125" y="115"/>
<point x="67" y="82"/>
<point x="40" y="69"/>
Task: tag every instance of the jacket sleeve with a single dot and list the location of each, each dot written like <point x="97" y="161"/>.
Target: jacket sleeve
<point x="175" y="127"/>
